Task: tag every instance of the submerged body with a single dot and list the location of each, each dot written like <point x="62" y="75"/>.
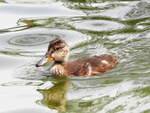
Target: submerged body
<point x="58" y="52"/>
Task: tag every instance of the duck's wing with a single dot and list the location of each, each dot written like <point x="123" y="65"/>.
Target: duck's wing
<point x="103" y="63"/>
<point x="90" y="66"/>
<point x="85" y="69"/>
<point x="79" y="67"/>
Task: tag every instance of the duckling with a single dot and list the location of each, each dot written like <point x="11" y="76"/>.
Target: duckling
<point x="58" y="52"/>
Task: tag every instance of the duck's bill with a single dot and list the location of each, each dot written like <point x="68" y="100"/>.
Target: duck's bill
<point x="44" y="60"/>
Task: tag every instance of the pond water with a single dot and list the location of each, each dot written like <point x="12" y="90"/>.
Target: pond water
<point x="90" y="27"/>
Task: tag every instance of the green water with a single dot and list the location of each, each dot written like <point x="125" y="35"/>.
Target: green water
<point x="90" y="27"/>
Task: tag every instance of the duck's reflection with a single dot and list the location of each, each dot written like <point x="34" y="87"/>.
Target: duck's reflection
<point x="55" y="97"/>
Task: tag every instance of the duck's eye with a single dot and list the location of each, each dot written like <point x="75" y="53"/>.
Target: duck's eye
<point x="57" y="48"/>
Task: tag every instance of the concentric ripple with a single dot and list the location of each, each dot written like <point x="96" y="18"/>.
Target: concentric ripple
<point x="97" y="25"/>
<point x="28" y="42"/>
<point x="31" y="39"/>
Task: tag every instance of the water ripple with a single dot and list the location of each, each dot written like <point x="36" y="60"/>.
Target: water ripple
<point x="90" y="27"/>
<point x="96" y="25"/>
<point x="31" y="39"/>
<point x="22" y="42"/>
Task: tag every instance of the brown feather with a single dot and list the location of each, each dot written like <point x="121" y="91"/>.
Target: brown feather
<point x="76" y="67"/>
<point x="59" y="51"/>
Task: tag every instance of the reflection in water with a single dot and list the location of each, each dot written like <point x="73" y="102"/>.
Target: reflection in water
<point x="55" y="97"/>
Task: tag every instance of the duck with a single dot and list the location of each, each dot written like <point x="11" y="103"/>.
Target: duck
<point x="58" y="52"/>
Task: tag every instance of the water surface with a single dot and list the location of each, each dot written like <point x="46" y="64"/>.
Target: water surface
<point x="90" y="27"/>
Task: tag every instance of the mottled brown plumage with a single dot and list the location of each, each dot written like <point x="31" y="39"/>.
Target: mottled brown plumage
<point x="58" y="51"/>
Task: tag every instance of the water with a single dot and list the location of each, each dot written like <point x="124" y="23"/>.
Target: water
<point x="90" y="27"/>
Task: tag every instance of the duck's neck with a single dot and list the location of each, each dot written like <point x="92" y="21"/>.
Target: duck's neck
<point x="61" y="61"/>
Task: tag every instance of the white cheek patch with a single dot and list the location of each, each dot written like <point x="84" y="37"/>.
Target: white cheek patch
<point x="61" y="55"/>
<point x="57" y="56"/>
<point x="104" y="62"/>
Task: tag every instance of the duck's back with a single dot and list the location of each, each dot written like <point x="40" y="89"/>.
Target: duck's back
<point x="91" y="65"/>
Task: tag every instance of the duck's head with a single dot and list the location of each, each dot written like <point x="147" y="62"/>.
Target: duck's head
<point x="58" y="51"/>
